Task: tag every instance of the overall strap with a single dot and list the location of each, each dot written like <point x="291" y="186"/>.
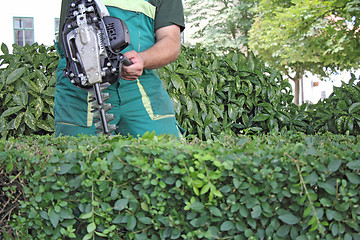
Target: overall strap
<point x="142" y="6"/>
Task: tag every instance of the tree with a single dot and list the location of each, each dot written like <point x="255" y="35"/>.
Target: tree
<point x="320" y="36"/>
<point x="221" y="24"/>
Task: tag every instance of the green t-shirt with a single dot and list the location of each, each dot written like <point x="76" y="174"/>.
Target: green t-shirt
<point x="168" y="12"/>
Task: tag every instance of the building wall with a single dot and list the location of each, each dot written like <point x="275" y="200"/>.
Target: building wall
<point x="43" y="12"/>
<point x="316" y="89"/>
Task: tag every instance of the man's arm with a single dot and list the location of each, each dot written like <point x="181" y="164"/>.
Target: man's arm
<point x="165" y="50"/>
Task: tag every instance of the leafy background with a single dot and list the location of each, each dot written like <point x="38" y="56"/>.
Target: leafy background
<point x="212" y="94"/>
<point x="27" y="90"/>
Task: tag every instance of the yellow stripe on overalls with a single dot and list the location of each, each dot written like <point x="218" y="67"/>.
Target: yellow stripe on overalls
<point x="90" y="115"/>
<point x="147" y="104"/>
<point x="141" y="6"/>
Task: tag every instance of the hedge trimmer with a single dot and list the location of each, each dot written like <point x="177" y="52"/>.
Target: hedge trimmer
<point x="92" y="42"/>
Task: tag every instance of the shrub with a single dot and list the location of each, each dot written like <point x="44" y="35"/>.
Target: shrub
<point x="229" y="94"/>
<point x="212" y="96"/>
<point x="267" y="187"/>
<point x="27" y="88"/>
<point x="340" y="113"/>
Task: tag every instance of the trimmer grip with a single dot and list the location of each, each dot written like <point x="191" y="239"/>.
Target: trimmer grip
<point x="124" y="60"/>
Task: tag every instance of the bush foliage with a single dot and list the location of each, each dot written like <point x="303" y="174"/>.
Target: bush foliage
<point x="230" y="94"/>
<point x="212" y="96"/>
<point x="267" y="187"/>
<point x="340" y="113"/>
<point x="27" y="90"/>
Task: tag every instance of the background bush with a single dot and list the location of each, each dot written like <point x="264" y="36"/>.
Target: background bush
<point x="212" y="95"/>
<point x="229" y="94"/>
<point x="268" y="187"/>
<point x="27" y="90"/>
<point x="340" y="112"/>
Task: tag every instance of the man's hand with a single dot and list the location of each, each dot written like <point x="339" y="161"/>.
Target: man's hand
<point x="135" y="70"/>
<point x="165" y="50"/>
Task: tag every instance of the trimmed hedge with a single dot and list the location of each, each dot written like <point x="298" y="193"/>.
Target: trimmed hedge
<point x="259" y="187"/>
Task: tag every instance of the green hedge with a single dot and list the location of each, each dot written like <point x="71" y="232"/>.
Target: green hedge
<point x="265" y="187"/>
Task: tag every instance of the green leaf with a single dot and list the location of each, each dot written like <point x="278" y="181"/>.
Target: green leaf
<point x="197" y="206"/>
<point x="261" y="117"/>
<point x="354" y="165"/>
<point x="21" y="98"/>
<point x="88" y="236"/>
<point x="64" y="168"/>
<point x="54" y="217"/>
<point x="4" y="49"/>
<point x="131" y="223"/>
<point x="334" y="165"/>
<point x="307" y="211"/>
<point x="251" y="62"/>
<point x="145" y="220"/>
<point x="353" y="178"/>
<point x="18" y="120"/>
<point x="50" y="91"/>
<point x="66" y="213"/>
<point x="11" y="110"/>
<point x="9" y="167"/>
<point x="232" y="112"/>
<point x="30" y="120"/>
<point x="45" y="125"/>
<point x="283" y="230"/>
<point x="86" y="215"/>
<point x="205" y="189"/>
<point x="15" y="75"/>
<point x="327" y="187"/>
<point x="256" y="211"/>
<point x="227" y="226"/>
<point x="121" y="204"/>
<point x="178" y="83"/>
<point x="215" y="211"/>
<point x="42" y="80"/>
<point x="354" y="107"/>
<point x="39" y="107"/>
<point x="231" y="64"/>
<point x="31" y="85"/>
<point x="91" y="227"/>
<point x="289" y="218"/>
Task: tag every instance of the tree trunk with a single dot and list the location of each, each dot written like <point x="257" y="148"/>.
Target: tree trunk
<point x="297" y="78"/>
<point x="297" y="91"/>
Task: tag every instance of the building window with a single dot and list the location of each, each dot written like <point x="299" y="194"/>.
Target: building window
<point x="24" y="30"/>
<point x="57" y="25"/>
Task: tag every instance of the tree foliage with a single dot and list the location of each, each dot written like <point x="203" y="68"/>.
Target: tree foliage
<point x="221" y="24"/>
<point x="314" y="35"/>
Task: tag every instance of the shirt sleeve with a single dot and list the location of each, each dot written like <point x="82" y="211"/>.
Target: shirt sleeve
<point x="169" y="12"/>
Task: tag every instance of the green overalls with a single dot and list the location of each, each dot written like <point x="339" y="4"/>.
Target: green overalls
<point x="139" y="106"/>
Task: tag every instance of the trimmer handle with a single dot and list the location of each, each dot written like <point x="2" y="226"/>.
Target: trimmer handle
<point x="124" y="60"/>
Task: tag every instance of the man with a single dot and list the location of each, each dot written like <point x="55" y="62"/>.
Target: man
<point x="140" y="103"/>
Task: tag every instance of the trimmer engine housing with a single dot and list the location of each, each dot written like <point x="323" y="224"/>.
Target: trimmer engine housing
<point x="92" y="42"/>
